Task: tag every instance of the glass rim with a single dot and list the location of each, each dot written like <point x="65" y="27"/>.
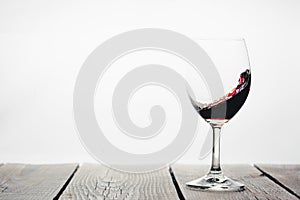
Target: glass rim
<point x="230" y="38"/>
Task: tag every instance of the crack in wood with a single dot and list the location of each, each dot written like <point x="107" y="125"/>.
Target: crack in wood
<point x="3" y="188"/>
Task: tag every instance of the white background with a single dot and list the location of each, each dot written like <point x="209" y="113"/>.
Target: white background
<point x="44" y="43"/>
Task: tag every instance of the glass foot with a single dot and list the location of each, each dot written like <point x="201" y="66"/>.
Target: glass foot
<point x="215" y="182"/>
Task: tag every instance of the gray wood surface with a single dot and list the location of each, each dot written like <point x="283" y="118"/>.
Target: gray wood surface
<point x="286" y="175"/>
<point x="94" y="181"/>
<point x="20" y="181"/>
<point x="257" y="185"/>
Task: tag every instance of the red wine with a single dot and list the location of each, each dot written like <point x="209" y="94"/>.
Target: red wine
<point x="227" y="106"/>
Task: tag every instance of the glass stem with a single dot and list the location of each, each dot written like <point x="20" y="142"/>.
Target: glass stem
<point x="215" y="164"/>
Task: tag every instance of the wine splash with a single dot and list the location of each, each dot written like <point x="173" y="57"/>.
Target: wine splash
<point x="233" y="101"/>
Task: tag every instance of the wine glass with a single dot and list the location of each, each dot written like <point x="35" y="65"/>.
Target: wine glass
<point x="230" y="58"/>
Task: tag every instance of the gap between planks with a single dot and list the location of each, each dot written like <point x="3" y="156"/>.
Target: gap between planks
<point x="27" y="181"/>
<point x="276" y="180"/>
<point x="66" y="184"/>
<point x="258" y="186"/>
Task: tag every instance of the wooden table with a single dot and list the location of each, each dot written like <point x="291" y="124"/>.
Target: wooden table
<point x="93" y="181"/>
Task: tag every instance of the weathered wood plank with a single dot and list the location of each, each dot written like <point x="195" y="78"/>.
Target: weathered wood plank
<point x="257" y="185"/>
<point x="94" y="181"/>
<point x="286" y="175"/>
<point x="20" y="181"/>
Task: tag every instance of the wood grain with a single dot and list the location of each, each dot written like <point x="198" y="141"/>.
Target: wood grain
<point x="286" y="175"/>
<point x="20" y="181"/>
<point x="257" y="185"/>
<point x="93" y="181"/>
